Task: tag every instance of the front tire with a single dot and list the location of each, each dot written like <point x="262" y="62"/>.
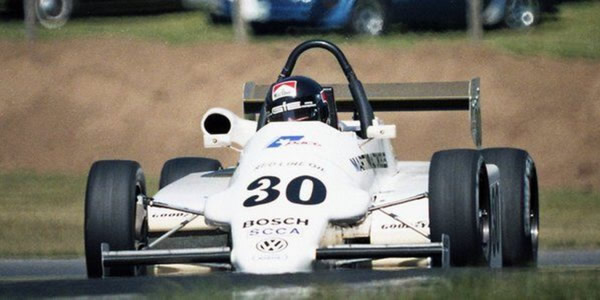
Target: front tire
<point x="459" y="206"/>
<point x="520" y="210"/>
<point x="113" y="214"/>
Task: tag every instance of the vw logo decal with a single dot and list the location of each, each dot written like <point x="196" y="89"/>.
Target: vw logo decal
<point x="271" y="245"/>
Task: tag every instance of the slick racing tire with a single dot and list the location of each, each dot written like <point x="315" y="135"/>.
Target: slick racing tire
<point x="521" y="13"/>
<point x="460" y="206"/>
<point x="368" y="17"/>
<point x="180" y="167"/>
<point x="520" y="205"/>
<point x="113" y="215"/>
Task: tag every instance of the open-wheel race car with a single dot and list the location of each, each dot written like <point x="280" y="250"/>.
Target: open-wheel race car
<point x="312" y="190"/>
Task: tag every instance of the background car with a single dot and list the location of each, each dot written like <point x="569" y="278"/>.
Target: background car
<point x="374" y="16"/>
<point x="55" y="13"/>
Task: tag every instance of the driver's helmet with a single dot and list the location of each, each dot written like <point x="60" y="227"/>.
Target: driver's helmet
<point x="296" y="98"/>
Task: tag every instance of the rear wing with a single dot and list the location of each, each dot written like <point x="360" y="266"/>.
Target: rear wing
<point x="420" y="96"/>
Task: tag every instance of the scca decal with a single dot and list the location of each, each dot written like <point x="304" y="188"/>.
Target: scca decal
<point x="369" y="161"/>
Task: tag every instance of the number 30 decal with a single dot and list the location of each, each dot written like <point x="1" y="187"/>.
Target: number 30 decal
<point x="293" y="191"/>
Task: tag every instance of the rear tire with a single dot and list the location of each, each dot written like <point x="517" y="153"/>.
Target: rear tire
<point x="520" y="210"/>
<point x="113" y="215"/>
<point x="180" y="167"/>
<point x="459" y="206"/>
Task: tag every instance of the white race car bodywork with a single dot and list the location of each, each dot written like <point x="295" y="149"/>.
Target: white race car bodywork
<point x="308" y="193"/>
<point x="299" y="186"/>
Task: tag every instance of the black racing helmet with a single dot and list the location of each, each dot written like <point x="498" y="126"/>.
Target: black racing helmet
<point x="296" y="98"/>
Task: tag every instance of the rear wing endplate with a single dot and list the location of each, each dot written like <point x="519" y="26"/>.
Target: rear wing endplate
<point x="420" y="96"/>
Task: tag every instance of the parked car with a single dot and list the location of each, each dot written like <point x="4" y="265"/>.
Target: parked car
<point x="374" y="16"/>
<point x="55" y="13"/>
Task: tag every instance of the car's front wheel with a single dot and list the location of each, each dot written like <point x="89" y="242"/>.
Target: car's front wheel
<point x="114" y="215"/>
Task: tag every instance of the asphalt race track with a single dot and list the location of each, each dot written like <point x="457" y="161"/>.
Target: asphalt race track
<point x="62" y="278"/>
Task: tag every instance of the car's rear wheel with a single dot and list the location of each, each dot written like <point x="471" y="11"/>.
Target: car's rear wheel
<point x="368" y="17"/>
<point x="180" y="167"/>
<point x="520" y="205"/>
<point x="114" y="215"/>
<point x="522" y="13"/>
<point x="460" y="206"/>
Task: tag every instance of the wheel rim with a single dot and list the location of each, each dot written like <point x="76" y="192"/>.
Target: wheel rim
<point x="521" y="14"/>
<point x="370" y="21"/>
<point x="51" y="8"/>
<point x="53" y="13"/>
<point x="141" y="220"/>
<point x="483" y="217"/>
<point x="531" y="219"/>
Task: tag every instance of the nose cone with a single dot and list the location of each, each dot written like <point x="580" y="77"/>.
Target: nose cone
<point x="276" y="245"/>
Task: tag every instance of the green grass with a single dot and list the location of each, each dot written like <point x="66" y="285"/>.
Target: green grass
<point x="569" y="219"/>
<point x="42" y="215"/>
<point x="575" y="32"/>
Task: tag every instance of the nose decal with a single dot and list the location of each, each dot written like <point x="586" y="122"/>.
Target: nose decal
<point x="273" y="245"/>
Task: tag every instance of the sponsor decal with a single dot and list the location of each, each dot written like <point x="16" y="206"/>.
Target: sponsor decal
<point x="274" y="231"/>
<point x="270" y="256"/>
<point x="287" y="164"/>
<point x="275" y="222"/>
<point x="288" y="106"/>
<point x="324" y="97"/>
<point x="418" y="224"/>
<point x="290" y="140"/>
<point x="284" y="89"/>
<point x="169" y="215"/>
<point x="272" y="245"/>
<point x="369" y="161"/>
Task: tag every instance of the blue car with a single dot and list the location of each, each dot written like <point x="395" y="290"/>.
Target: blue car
<point x="374" y="16"/>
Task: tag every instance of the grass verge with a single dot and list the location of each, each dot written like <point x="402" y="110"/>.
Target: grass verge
<point x="42" y="215"/>
<point x="573" y="32"/>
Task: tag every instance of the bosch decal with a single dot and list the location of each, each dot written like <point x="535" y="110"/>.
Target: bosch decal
<point x="273" y="245"/>
<point x="275" y="222"/>
<point x="369" y="161"/>
<point x="284" y="89"/>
